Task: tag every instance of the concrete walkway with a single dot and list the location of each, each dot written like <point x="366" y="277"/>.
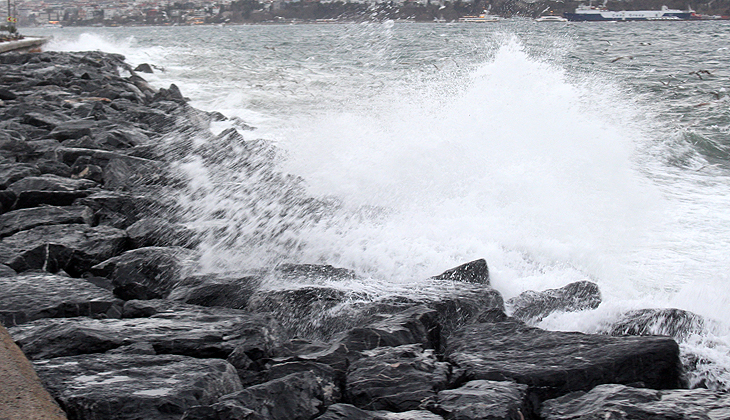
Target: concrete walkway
<point x="22" y="396"/>
<point x="25" y="44"/>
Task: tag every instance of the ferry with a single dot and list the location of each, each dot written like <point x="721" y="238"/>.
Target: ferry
<point x="484" y="17"/>
<point x="601" y="13"/>
<point x="550" y="18"/>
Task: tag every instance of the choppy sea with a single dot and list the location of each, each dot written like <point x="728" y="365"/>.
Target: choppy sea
<point x="558" y="152"/>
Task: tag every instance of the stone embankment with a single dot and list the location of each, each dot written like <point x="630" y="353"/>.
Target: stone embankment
<point x="96" y="289"/>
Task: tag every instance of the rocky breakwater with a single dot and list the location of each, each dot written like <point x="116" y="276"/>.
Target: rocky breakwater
<point x="99" y="289"/>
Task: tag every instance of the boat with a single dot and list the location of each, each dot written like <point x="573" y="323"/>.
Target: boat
<point x="601" y="13"/>
<point x="550" y="18"/>
<point x="484" y="17"/>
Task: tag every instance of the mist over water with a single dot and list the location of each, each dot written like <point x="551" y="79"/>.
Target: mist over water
<point x="400" y="151"/>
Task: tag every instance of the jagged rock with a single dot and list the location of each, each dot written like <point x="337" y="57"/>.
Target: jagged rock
<point x="326" y="377"/>
<point x="395" y="378"/>
<point x="171" y="94"/>
<point x="144" y="68"/>
<point x="155" y="231"/>
<point x="187" y="330"/>
<point x="24" y="219"/>
<point x="226" y="410"/>
<point x="50" y="183"/>
<point x="675" y="323"/>
<point x="7" y="95"/>
<point x="122" y="208"/>
<point x="613" y="401"/>
<point x="472" y="272"/>
<point x="74" y="129"/>
<point x="350" y="412"/>
<point x="294" y="397"/>
<point x="131" y="387"/>
<point x="145" y="273"/>
<point x="11" y="172"/>
<point x="47" y="166"/>
<point x="215" y="290"/>
<point x="6" y="271"/>
<point x="73" y="248"/>
<point x="313" y="272"/>
<point x="7" y="200"/>
<point x="554" y="363"/>
<point x="483" y="399"/>
<point x="28" y="297"/>
<point x="307" y="311"/>
<point x="531" y="306"/>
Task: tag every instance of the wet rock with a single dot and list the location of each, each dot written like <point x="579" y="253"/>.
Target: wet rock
<point x="145" y="273"/>
<point x="50" y="183"/>
<point x="119" y="209"/>
<point x="11" y="172"/>
<point x="7" y="95"/>
<point x="7" y="200"/>
<point x="216" y="290"/>
<point x="395" y="378"/>
<point x="227" y="410"/>
<point x="74" y="129"/>
<point x="73" y="248"/>
<point x="326" y="377"/>
<point x="130" y="387"/>
<point x="190" y="331"/>
<point x="313" y="272"/>
<point x="28" y="297"/>
<point x="619" y="401"/>
<point x="294" y="397"/>
<point x="171" y="94"/>
<point x="345" y="412"/>
<point x="144" y="68"/>
<point x="472" y="272"/>
<point x="531" y="306"/>
<point x="675" y="323"/>
<point x="554" y="363"/>
<point x="6" y="271"/>
<point x="154" y="231"/>
<point x="24" y="219"/>
<point x="47" y="166"/>
<point x="483" y="399"/>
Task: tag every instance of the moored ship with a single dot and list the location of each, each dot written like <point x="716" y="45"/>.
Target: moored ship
<point x="601" y="13"/>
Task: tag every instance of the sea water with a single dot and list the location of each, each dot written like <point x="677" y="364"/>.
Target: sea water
<point x="557" y="152"/>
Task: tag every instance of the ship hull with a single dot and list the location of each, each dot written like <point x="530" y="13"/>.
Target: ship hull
<point x="605" y="16"/>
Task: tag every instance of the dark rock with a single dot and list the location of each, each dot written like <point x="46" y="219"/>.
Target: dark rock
<point x="675" y="323"/>
<point x="29" y="297"/>
<point x="294" y="397"/>
<point x="127" y="207"/>
<point x="471" y="272"/>
<point x="47" y="166"/>
<point x="13" y="147"/>
<point x="533" y="306"/>
<point x="313" y="272"/>
<point x="73" y="129"/>
<point x="144" y="68"/>
<point x="345" y="412"/>
<point x="171" y="94"/>
<point x="73" y="248"/>
<point x="554" y="363"/>
<point x="7" y="95"/>
<point x="622" y="402"/>
<point x="48" y="120"/>
<point x="186" y="330"/>
<point x="155" y="270"/>
<point x="83" y="170"/>
<point x="24" y="219"/>
<point x="483" y="399"/>
<point x="6" y="271"/>
<point x="325" y="375"/>
<point x="50" y="183"/>
<point x="132" y="387"/>
<point x="215" y="290"/>
<point x="7" y="200"/>
<point x="395" y="378"/>
<point x="11" y="172"/>
<point x="155" y="231"/>
<point x="28" y="199"/>
<point x="226" y="410"/>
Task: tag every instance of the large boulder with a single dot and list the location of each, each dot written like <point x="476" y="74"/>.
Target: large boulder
<point x="395" y="378"/>
<point x="25" y="219"/>
<point x="120" y="209"/>
<point x="531" y="306"/>
<point x="676" y="323"/>
<point x="28" y="297"/>
<point x="554" y="363"/>
<point x="186" y="330"/>
<point x="475" y="271"/>
<point x="132" y="387"/>
<point x="155" y="231"/>
<point x="50" y="189"/>
<point x="216" y="290"/>
<point x="73" y="248"/>
<point x="612" y="401"/>
<point x="11" y="172"/>
<point x="145" y="273"/>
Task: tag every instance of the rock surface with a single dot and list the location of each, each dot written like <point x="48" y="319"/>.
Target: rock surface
<point x="130" y="387"/>
<point x="531" y="306"/>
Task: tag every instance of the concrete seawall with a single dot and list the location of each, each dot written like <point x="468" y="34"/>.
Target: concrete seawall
<point x="22" y="396"/>
<point x="25" y="44"/>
